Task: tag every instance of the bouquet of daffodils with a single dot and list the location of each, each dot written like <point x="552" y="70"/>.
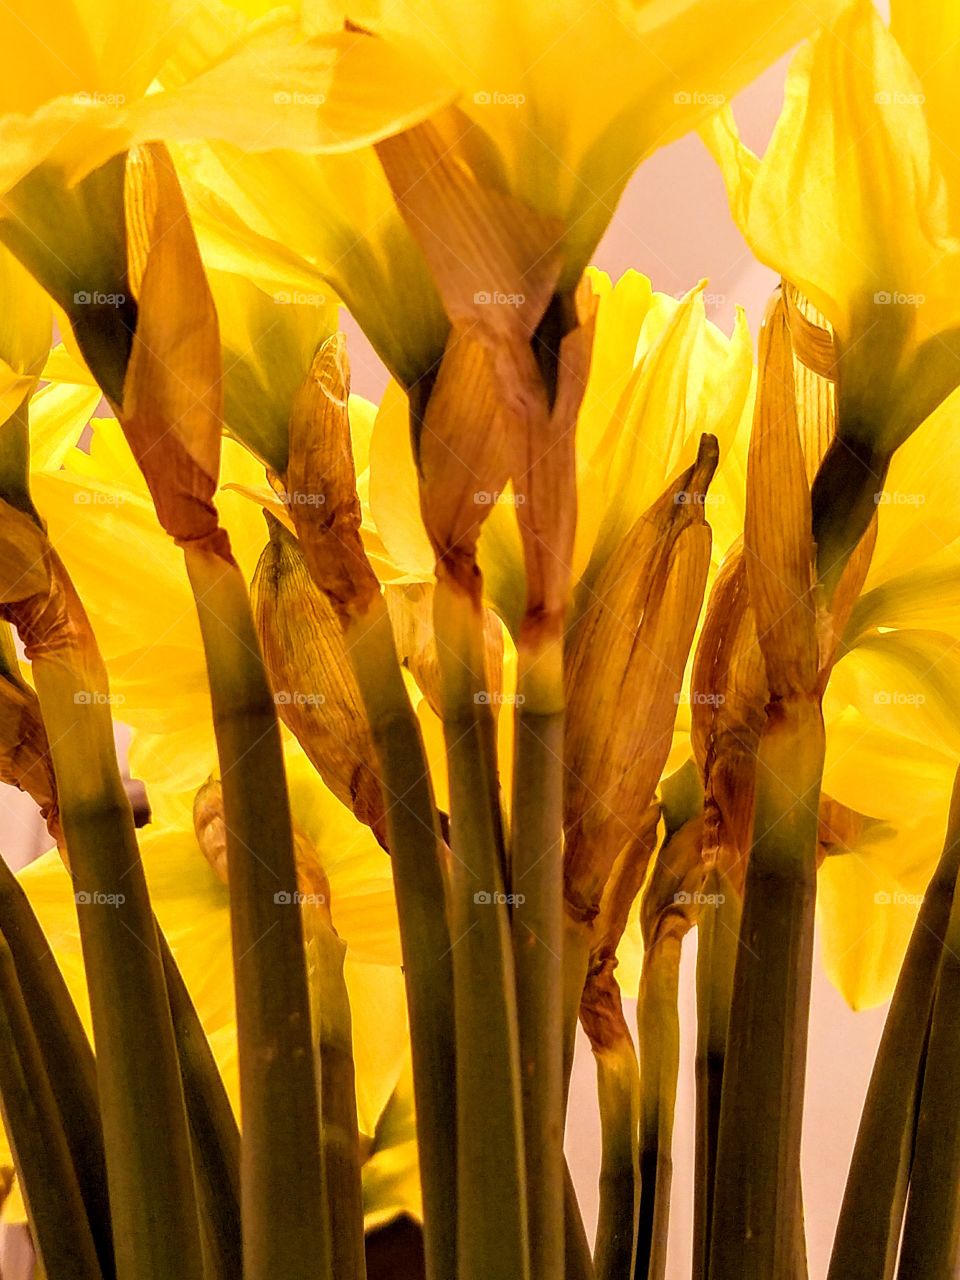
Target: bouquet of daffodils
<point x="457" y="714"/>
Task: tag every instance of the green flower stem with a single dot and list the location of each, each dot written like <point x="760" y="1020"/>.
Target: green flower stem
<point x="419" y="879"/>
<point x="659" y="1037"/>
<point x="285" y="1234"/>
<point x="618" y="1092"/>
<point x="757" y="1191"/>
<point x="65" y="1052"/>
<point x="149" y="1169"/>
<point x="576" y="963"/>
<point x="491" y="1181"/>
<point x="215" y="1137"/>
<point x="718" y="927"/>
<point x="338" y="1106"/>
<point x="537" y="925"/>
<point x="931" y="1229"/>
<point x="32" y="1118"/>
<point x="578" y="1260"/>
<point x="868" y="1232"/>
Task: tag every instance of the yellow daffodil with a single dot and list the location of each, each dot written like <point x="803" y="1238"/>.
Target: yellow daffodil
<point x="76" y="76"/>
<point x="851" y="204"/>
<point x="555" y="105"/>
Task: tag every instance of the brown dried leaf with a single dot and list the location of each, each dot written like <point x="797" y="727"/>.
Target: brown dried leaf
<point x="730" y="695"/>
<point x="812" y="337"/>
<point x="778" y="540"/>
<point x="624" y="670"/>
<point x="545" y="484"/>
<point x="321" y="483"/>
<point x="24" y="751"/>
<point x="313" y="683"/>
<point x="494" y="260"/>
<point x="171" y="409"/>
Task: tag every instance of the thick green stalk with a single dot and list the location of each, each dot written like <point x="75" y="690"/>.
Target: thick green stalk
<point x="149" y="1169"/>
<point x="578" y="1260"/>
<point x="659" y="1036"/>
<point x="491" y="1175"/>
<point x="868" y="1232"/>
<point x="338" y="1106"/>
<point x="66" y="1054"/>
<point x="537" y="925"/>
<point x="419" y="879"/>
<point x="618" y="1092"/>
<point x="285" y="1234"/>
<point x="718" y="927"/>
<point x="757" y="1192"/>
<point x="215" y="1137"/>
<point x="931" y="1229"/>
<point x="31" y="1116"/>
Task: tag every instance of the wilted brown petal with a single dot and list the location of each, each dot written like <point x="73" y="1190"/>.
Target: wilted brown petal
<point x="778" y="540"/>
<point x="321" y="483"/>
<point x="312" y="680"/>
<point x="171" y="409"/>
<point x="624" y="671"/>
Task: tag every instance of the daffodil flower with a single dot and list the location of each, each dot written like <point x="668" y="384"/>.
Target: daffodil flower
<point x="555" y="105"/>
<point x="851" y="204"/>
